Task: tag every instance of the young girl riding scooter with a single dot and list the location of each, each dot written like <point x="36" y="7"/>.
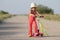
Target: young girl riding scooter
<point x="32" y="20"/>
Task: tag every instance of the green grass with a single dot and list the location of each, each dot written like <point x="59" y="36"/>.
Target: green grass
<point x="52" y="17"/>
<point x="4" y="16"/>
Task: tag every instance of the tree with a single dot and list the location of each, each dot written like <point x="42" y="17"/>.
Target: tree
<point x="44" y="10"/>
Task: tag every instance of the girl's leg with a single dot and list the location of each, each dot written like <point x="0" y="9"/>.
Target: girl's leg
<point x="30" y="21"/>
<point x="35" y="27"/>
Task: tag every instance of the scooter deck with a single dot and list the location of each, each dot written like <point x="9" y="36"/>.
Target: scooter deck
<point x="39" y="35"/>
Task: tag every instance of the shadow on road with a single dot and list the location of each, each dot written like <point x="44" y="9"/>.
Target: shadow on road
<point x="8" y="28"/>
<point x="12" y="23"/>
<point x="7" y="33"/>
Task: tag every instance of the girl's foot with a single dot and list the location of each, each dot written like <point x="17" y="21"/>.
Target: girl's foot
<point x="36" y="34"/>
<point x="30" y="35"/>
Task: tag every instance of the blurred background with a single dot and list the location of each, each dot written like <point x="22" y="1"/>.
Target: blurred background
<point x="14" y="18"/>
<point x="22" y="6"/>
<point x="18" y="7"/>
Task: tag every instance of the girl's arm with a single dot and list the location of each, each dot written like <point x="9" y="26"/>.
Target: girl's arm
<point x="38" y="14"/>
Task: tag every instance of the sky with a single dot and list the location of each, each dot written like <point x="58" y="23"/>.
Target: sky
<point x="22" y="6"/>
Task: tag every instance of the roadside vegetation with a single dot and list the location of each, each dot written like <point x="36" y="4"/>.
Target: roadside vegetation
<point x="48" y="13"/>
<point x="4" y="15"/>
<point x="54" y="17"/>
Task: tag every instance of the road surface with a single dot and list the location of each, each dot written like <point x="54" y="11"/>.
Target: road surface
<point x="15" y="28"/>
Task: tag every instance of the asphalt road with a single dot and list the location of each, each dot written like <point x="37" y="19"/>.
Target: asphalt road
<point x="15" y="28"/>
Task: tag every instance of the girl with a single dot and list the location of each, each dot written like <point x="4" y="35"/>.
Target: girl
<point x="32" y="20"/>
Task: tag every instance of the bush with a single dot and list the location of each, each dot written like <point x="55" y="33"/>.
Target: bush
<point x="4" y="16"/>
<point x="3" y="12"/>
<point x="52" y="17"/>
<point x="44" y="9"/>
